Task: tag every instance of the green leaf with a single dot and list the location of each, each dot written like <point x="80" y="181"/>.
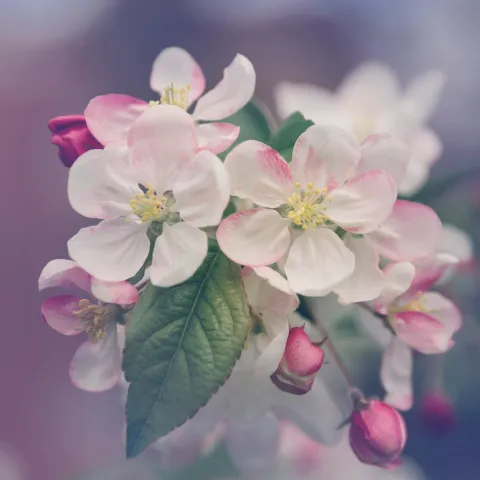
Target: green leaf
<point x="286" y="136"/>
<point x="253" y="125"/>
<point x="181" y="344"/>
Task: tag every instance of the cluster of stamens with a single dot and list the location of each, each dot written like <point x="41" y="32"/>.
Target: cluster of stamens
<point x="148" y="206"/>
<point x="415" y="305"/>
<point x="305" y="206"/>
<point x="95" y="318"/>
<point x="176" y="96"/>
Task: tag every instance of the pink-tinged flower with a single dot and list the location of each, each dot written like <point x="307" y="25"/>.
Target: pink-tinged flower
<point x="303" y="205"/>
<point x="179" y="80"/>
<point x="377" y="433"/>
<point x="437" y="413"/>
<point x="167" y="189"/>
<point x="96" y="365"/>
<point x="300" y="363"/>
<point x="72" y="137"/>
<point x="370" y="101"/>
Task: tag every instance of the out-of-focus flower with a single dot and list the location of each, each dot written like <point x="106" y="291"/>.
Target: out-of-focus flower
<point x="437" y="413"/>
<point x="96" y="365"/>
<point x="165" y="188"/>
<point x="72" y="137"/>
<point x="302" y="204"/>
<point x="377" y="433"/>
<point x="179" y="80"/>
<point x="370" y="101"/>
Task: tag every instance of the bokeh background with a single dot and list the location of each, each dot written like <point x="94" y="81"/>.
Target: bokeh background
<point x="57" y="54"/>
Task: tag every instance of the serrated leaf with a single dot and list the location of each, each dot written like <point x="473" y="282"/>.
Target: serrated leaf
<point x="181" y="345"/>
<point x="286" y="136"/>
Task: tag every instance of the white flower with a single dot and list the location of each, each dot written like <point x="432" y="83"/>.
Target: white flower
<point x="370" y="101"/>
<point x="97" y="364"/>
<point x="167" y="189"/>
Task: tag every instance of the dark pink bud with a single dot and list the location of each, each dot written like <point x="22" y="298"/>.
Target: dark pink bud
<point x="300" y="362"/>
<point x="72" y="137"/>
<point x="377" y="433"/>
<point x="437" y="413"/>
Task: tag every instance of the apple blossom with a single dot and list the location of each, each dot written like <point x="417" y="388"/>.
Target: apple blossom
<point x="370" y="101"/>
<point x="161" y="187"/>
<point x="304" y="206"/>
<point x="179" y="80"/>
<point x="96" y="365"/>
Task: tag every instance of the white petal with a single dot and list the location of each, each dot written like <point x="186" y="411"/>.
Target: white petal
<point x="456" y="242"/>
<point x="396" y="374"/>
<point x="325" y="156"/>
<point x="259" y="173"/>
<point x="398" y="278"/>
<point x="101" y="184"/>
<point x="63" y="273"/>
<point x="175" y="66"/>
<point x="254" y="237"/>
<point x="317" y="261"/>
<point x="97" y="367"/>
<point x="113" y="250"/>
<point x="232" y="93"/>
<point x="121" y="293"/>
<point x="178" y="253"/>
<point x="443" y="309"/>
<point x="366" y="281"/>
<point x="202" y="190"/>
<point x="217" y="136"/>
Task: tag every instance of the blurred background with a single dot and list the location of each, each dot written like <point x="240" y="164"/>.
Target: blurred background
<point x="57" y="54"/>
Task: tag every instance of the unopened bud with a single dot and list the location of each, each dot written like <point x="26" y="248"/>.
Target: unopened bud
<point x="72" y="137"/>
<point x="437" y="413"/>
<point x="300" y="362"/>
<point x="377" y="433"/>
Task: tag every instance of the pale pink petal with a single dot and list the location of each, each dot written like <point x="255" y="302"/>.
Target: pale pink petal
<point x="268" y="292"/>
<point x="366" y="282"/>
<point x="162" y="143"/>
<point x="97" y="367"/>
<point x="415" y="178"/>
<point x="109" y="117"/>
<point x="113" y="250"/>
<point x="202" y="190"/>
<point x="217" y="136"/>
<point x="254" y="237"/>
<point x="259" y="173"/>
<point x="397" y="279"/>
<point x="457" y="243"/>
<point x="63" y="273"/>
<point x="443" y="309"/>
<point x="318" y="260"/>
<point x="396" y="374"/>
<point x="121" y="293"/>
<point x="363" y="203"/>
<point x="233" y="92"/>
<point x="178" y="253"/>
<point x="384" y="152"/>
<point x="412" y="231"/>
<point x="325" y="156"/>
<point x="175" y="66"/>
<point x="422" y="332"/>
<point x="58" y="313"/>
<point x="101" y="184"/>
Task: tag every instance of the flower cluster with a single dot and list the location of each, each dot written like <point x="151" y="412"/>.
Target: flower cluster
<point x="326" y="221"/>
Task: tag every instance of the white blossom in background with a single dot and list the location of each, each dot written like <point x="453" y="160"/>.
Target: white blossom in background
<point x="370" y="101"/>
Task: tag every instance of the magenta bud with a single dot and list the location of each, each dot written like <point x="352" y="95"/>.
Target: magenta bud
<point x="377" y="433"/>
<point x="437" y="413"/>
<point x="72" y="137"/>
<point x="300" y="362"/>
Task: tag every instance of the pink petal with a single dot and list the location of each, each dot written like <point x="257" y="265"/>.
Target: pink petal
<point x="272" y="351"/>
<point x="363" y="203"/>
<point x="109" y="117"/>
<point x="232" y="93"/>
<point x="58" y="313"/>
<point x="259" y="173"/>
<point x="411" y="232"/>
<point x="217" y="137"/>
<point x="63" y="273"/>
<point x="397" y="279"/>
<point x="254" y="237"/>
<point x="175" y="66"/>
<point x="443" y="309"/>
<point x="121" y="293"/>
<point x="325" y="156"/>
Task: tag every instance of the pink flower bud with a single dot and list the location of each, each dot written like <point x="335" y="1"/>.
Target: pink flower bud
<point x="300" y="362"/>
<point x="72" y="137"/>
<point x="377" y="433"/>
<point x="437" y="413"/>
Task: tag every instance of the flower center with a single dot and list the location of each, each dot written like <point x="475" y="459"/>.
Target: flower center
<point x="417" y="304"/>
<point x="305" y="206"/>
<point x="95" y="318"/>
<point x="174" y="96"/>
<point x="149" y="207"/>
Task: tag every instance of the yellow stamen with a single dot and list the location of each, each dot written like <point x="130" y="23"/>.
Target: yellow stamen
<point x="417" y="304"/>
<point x="95" y="317"/>
<point x="148" y="206"/>
<point x="176" y="96"/>
<point x="305" y="207"/>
